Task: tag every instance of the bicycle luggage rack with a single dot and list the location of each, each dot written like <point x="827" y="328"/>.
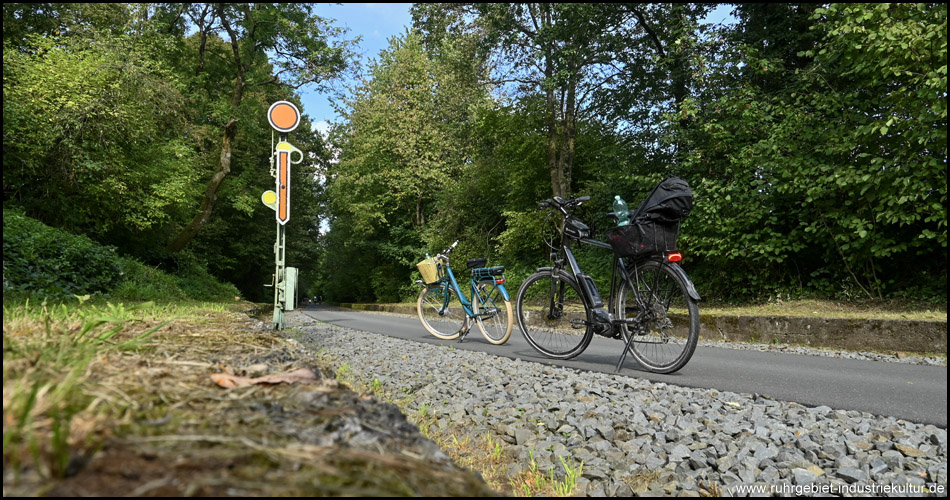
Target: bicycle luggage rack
<point x="485" y="274"/>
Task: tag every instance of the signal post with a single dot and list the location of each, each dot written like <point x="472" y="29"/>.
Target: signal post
<point x="284" y="118"/>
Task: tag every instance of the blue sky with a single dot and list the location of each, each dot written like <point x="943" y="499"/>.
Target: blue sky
<point x="376" y="23"/>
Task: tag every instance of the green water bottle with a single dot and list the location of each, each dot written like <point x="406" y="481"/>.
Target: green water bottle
<point x="621" y="211"/>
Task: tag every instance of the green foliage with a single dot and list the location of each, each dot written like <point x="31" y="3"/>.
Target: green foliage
<point x="814" y="138"/>
<point x="393" y="156"/>
<point x="898" y="53"/>
<point x="824" y="171"/>
<point x="94" y="135"/>
<point x="145" y="283"/>
<point x="24" y="20"/>
<point x="48" y="262"/>
<point x="259" y="51"/>
<point x="115" y="121"/>
<point x="197" y="284"/>
<point x="406" y="141"/>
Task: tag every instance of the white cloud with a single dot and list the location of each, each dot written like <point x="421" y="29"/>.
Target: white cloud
<point x="323" y="127"/>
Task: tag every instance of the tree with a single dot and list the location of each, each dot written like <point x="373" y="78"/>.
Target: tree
<point x="825" y="170"/>
<point x="21" y="21"/>
<point x="297" y="43"/>
<point x="405" y="139"/>
<point x="95" y="133"/>
<point x="115" y="115"/>
<point x="559" y="50"/>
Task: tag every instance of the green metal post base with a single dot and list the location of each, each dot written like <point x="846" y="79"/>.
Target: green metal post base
<point x="278" y="318"/>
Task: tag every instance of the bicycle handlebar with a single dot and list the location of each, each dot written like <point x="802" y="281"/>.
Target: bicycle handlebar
<point x="562" y="204"/>
<point x="445" y="253"/>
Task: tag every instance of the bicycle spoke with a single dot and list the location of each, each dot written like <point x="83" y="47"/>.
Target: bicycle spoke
<point x="441" y="312"/>
<point x="493" y="314"/>
<point x="552" y="315"/>
<point x="667" y="327"/>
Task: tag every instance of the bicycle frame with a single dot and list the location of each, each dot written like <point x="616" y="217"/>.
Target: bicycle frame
<point x="591" y="295"/>
<point x="654" y="281"/>
<point x="450" y="280"/>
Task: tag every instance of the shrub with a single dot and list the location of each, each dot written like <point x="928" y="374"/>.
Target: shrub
<point x="40" y="260"/>
<point x="197" y="283"/>
<point x="141" y="282"/>
<point x="45" y="262"/>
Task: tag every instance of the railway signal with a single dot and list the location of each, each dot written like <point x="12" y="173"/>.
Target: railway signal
<point x="284" y="117"/>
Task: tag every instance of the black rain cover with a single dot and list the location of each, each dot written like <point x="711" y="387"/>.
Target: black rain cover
<point x="670" y="201"/>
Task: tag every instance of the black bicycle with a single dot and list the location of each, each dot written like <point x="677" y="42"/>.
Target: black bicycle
<point x="652" y="305"/>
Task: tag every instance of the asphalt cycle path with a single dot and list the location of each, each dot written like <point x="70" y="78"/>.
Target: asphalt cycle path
<point x="912" y="392"/>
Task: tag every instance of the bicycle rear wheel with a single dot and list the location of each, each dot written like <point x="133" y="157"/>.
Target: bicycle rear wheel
<point x="440" y="312"/>
<point x="493" y="314"/>
<point x="552" y="314"/>
<point x="667" y="332"/>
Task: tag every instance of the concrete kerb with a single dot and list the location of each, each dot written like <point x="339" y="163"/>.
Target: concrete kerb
<point x="910" y="336"/>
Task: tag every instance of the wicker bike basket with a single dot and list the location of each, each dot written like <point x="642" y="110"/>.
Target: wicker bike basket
<point x="431" y="270"/>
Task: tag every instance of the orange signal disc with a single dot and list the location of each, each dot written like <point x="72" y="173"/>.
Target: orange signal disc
<point x="283" y="116"/>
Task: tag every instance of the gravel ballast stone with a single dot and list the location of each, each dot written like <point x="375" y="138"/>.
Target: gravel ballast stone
<point x="639" y="437"/>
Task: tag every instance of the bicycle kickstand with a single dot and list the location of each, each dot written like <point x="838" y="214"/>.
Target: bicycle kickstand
<point x="463" y="332"/>
<point x="626" y="348"/>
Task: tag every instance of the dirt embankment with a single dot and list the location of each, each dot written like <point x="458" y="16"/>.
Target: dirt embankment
<point x="159" y="425"/>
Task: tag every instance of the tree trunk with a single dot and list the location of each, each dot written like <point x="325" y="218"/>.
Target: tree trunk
<point x="557" y="178"/>
<point x="420" y="215"/>
<point x="211" y="192"/>
<point x="679" y="69"/>
<point x="227" y="144"/>
<point x="569" y="131"/>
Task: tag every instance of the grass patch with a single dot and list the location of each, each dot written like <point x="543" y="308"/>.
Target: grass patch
<point x="54" y="404"/>
<point x="116" y="399"/>
<point x="892" y="310"/>
<point x="883" y="310"/>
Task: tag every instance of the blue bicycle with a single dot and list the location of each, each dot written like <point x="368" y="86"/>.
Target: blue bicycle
<point x="448" y="314"/>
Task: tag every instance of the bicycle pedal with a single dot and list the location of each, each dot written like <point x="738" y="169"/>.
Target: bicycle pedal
<point x="578" y="324"/>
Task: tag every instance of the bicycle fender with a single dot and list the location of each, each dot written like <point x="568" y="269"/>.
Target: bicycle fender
<point x="690" y="288"/>
<point x="504" y="292"/>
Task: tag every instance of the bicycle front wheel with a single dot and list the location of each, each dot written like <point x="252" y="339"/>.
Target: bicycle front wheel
<point x="440" y="312"/>
<point x="493" y="314"/>
<point x="552" y="315"/>
<point x="666" y="329"/>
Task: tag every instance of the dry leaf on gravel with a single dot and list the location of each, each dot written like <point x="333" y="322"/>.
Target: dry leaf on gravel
<point x="301" y="376"/>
